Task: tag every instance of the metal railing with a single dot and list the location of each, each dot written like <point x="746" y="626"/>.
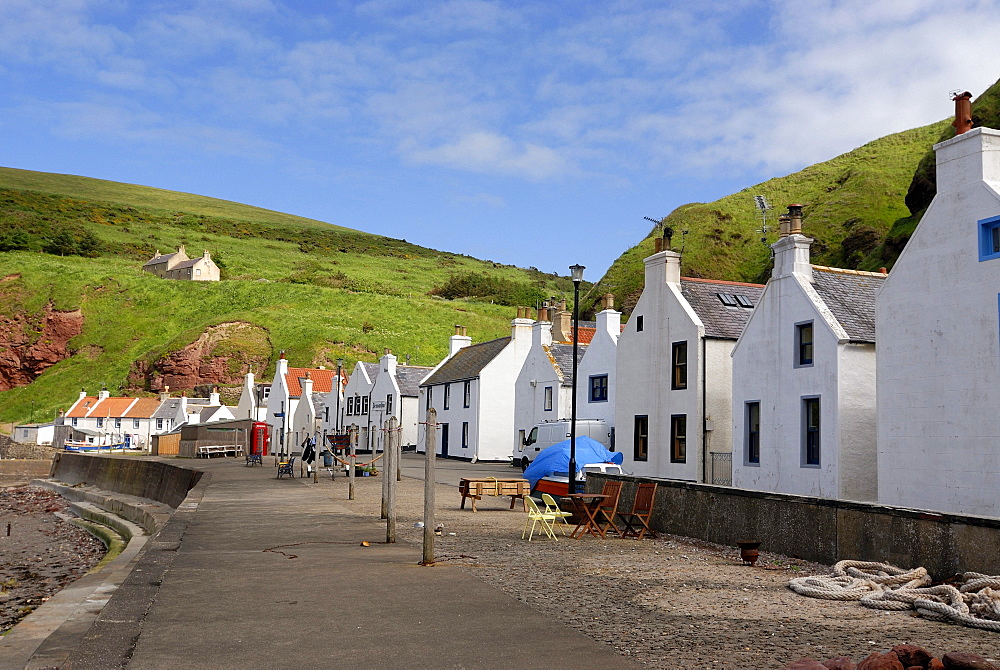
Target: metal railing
<point x="722" y="468"/>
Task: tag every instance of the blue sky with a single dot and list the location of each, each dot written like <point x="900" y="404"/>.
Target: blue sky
<point x="532" y="133"/>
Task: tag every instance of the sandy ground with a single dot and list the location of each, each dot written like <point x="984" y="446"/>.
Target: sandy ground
<point x="669" y="602"/>
<point x="42" y="552"/>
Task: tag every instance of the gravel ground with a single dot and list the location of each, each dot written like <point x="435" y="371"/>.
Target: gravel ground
<point x="42" y="552"/>
<point x="669" y="602"/>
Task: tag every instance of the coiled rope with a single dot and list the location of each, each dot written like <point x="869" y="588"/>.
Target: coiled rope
<point x="975" y="603"/>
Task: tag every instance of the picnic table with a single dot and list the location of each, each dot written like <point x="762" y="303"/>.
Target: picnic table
<point x="476" y="488"/>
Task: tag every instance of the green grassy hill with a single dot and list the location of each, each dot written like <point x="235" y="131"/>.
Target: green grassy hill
<point x="318" y="291"/>
<point x="851" y="201"/>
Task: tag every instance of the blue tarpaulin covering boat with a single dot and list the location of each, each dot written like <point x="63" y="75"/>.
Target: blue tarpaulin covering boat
<point x="555" y="459"/>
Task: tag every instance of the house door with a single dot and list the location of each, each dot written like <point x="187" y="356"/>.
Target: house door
<point x="444" y="439"/>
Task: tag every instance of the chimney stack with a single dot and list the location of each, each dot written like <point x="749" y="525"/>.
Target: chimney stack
<point x="963" y="113"/>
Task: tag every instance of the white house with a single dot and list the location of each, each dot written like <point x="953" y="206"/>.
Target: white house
<point x="395" y="393"/>
<point x="473" y="392"/>
<point x="356" y="404"/>
<point x="253" y="399"/>
<point x="543" y="389"/>
<point x="939" y="343"/>
<point x="102" y="418"/>
<point x="177" y="265"/>
<point x="289" y="429"/>
<point x="673" y="398"/>
<point x="803" y="414"/>
<point x="595" y="391"/>
<point x="34" y="433"/>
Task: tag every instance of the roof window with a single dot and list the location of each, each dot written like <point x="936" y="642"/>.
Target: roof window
<point x="727" y="299"/>
<point x="744" y="301"/>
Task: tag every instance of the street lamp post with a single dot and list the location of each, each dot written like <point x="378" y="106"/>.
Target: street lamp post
<point x="336" y="419"/>
<point x="577" y="275"/>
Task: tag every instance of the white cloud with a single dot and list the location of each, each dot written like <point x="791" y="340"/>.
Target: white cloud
<point x="491" y="153"/>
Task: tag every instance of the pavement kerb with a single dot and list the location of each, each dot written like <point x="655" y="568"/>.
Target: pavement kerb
<point x="46" y="637"/>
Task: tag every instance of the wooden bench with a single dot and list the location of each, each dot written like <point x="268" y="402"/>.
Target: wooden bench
<point x="207" y="451"/>
<point x="476" y="488"/>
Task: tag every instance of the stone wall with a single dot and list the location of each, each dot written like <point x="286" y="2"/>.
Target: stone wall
<point x="162" y="482"/>
<point x="819" y="529"/>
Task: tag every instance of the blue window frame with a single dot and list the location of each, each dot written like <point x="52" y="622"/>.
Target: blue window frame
<point x="804" y="344"/>
<point x="810" y="432"/>
<point x="599" y="388"/>
<point x="751" y="434"/>
<point x="989" y="238"/>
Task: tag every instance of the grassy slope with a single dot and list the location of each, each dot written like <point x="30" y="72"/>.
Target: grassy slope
<point x="850" y="201"/>
<point x="320" y="292"/>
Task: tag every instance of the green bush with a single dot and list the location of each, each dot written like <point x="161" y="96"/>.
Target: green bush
<point x="485" y="287"/>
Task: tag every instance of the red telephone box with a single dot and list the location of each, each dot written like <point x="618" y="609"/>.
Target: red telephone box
<point x="260" y="438"/>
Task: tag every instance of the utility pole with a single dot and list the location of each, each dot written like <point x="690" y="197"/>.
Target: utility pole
<point x="430" y="444"/>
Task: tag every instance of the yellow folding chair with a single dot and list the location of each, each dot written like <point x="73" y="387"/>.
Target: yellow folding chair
<point x="552" y="507"/>
<point x="536" y="517"/>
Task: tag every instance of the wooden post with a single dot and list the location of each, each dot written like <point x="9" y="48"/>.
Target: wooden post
<point x="430" y="444"/>
<point x="386" y="468"/>
<point x="393" y="453"/>
<point x="353" y="440"/>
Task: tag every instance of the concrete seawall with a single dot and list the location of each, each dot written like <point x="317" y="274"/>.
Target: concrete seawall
<point x="819" y="529"/>
<point x="155" y="480"/>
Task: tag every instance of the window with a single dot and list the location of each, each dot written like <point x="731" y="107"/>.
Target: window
<point x="100" y="422"/>
<point x="364" y="405"/>
<point x="640" y="439"/>
<point x="638" y="324"/>
<point x="118" y="422"/>
<point x="465" y="434"/>
<point x="679" y="378"/>
<point x="803" y="344"/>
<point x="547" y="399"/>
<point x="989" y="238"/>
<point x="159" y="424"/>
<point x="744" y="301"/>
<point x="810" y="431"/>
<point x="727" y="299"/>
<point x="752" y="433"/>
<point x="678" y="438"/>
<point x="599" y="388"/>
<point x="447" y="395"/>
<point x="467" y="394"/>
<point x="74" y="421"/>
<point x="430" y="396"/>
<point x="350" y="405"/>
<point x="135" y="423"/>
<point x="388" y="404"/>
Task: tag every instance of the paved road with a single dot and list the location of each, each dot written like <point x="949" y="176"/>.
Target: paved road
<point x="255" y="572"/>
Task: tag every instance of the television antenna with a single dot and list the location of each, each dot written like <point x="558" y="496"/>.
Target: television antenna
<point x="763" y="206"/>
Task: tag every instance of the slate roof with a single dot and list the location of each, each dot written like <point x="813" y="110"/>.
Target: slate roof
<point x="561" y="355"/>
<point x="187" y="264"/>
<point x="408" y="377"/>
<point x="167" y="409"/>
<point x="163" y="258"/>
<point x="850" y="295"/>
<point x="322" y="380"/>
<point x="372" y="369"/>
<point x="721" y="321"/>
<point x="467" y="363"/>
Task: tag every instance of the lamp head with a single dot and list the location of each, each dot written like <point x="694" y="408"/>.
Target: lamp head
<point x="340" y="362"/>
<point x="577" y="273"/>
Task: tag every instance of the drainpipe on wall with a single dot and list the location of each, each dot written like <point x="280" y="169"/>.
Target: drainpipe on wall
<point x="704" y="397"/>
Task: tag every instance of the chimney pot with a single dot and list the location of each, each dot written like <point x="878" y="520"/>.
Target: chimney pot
<point x="883" y="271"/>
<point x="795" y="219"/>
<point x="963" y="113"/>
<point x="784" y="223"/>
<point x="609" y="301"/>
<point x="657" y="245"/>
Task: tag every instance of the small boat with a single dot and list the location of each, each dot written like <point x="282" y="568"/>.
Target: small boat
<point x="549" y="472"/>
<point x="92" y="448"/>
<point x="557" y="484"/>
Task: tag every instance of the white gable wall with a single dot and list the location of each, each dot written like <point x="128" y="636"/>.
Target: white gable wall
<point x="938" y="348"/>
<point x="600" y="359"/>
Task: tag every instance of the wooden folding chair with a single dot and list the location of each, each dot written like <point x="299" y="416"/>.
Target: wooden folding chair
<point x="606" y="513"/>
<point x="637" y="521"/>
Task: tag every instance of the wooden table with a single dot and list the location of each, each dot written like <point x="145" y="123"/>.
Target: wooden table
<point x="476" y="488"/>
<point x="586" y="506"/>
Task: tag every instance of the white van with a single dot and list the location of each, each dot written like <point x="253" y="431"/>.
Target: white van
<point x="547" y="433"/>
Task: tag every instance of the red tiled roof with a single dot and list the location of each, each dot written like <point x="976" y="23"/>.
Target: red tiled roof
<point x="587" y="334"/>
<point x="322" y="380"/>
<point x="83" y="406"/>
<point x="143" y="409"/>
<point x="112" y="407"/>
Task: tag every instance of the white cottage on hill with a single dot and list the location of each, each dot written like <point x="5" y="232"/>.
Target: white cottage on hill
<point x="804" y="378"/>
<point x="473" y="392"/>
<point x="673" y="401"/>
<point x="939" y="343"/>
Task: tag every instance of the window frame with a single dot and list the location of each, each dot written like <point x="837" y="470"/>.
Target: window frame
<point x="601" y="394"/>
<point x="638" y="323"/>
<point x="135" y="423"/>
<point x="812" y="444"/>
<point x="989" y="236"/>
<point x="388" y="404"/>
<point x="751" y="447"/>
<point x="678" y="438"/>
<point x="678" y="370"/>
<point x="547" y="399"/>
<point x="364" y="404"/>
<point x="430" y="397"/>
<point x="467" y="393"/>
<point x="800" y="359"/>
<point x="640" y="439"/>
<point x="447" y="397"/>
<point x="465" y="434"/>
